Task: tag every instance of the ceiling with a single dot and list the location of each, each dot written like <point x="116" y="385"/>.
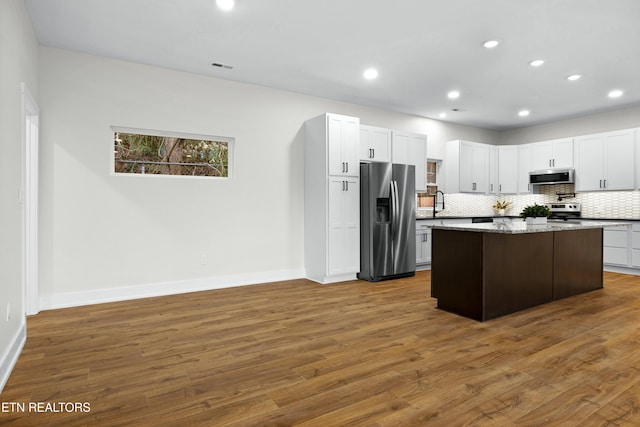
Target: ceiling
<point x="422" y="49"/>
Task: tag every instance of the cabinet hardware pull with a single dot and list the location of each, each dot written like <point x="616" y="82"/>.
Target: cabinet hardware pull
<point x="347" y="164"/>
<point x="491" y="186"/>
<point x="373" y="153"/>
<point x="600" y="183"/>
<point x="500" y="189"/>
<point x="605" y="183"/>
<point x="347" y="185"/>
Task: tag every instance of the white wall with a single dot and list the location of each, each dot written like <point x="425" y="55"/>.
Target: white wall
<point x="624" y="118"/>
<point x="109" y="237"/>
<point x="18" y="63"/>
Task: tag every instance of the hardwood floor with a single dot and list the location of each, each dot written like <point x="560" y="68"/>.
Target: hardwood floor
<point x="349" y="354"/>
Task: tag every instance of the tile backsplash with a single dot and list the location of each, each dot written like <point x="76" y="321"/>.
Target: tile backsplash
<point x="605" y="204"/>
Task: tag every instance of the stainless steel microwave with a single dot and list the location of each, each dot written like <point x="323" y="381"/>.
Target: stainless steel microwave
<point x="552" y="176"/>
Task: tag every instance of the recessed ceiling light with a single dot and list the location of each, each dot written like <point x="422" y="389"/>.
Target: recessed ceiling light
<point x="442" y="115"/>
<point x="615" y="93"/>
<point x="490" y="44"/>
<point x="454" y="94"/>
<point x="536" y="62"/>
<point x="225" y="4"/>
<point x="574" y="77"/>
<point x="523" y="113"/>
<point x="370" y="74"/>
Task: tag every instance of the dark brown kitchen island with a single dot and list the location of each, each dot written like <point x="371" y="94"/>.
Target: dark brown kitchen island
<point x="483" y="271"/>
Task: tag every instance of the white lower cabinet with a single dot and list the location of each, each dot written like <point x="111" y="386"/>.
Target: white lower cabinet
<point x="616" y="242"/>
<point x="423" y="243"/>
<point x="423" y="237"/>
<point x="344" y="232"/>
<point x="635" y="245"/>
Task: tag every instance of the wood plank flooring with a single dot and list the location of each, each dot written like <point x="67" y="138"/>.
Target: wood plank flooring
<point x="348" y="354"/>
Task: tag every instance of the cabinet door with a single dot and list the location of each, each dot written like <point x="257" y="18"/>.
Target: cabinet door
<point x="334" y="145"/>
<point x="494" y="161"/>
<point x="350" y="145"/>
<point x="420" y="236"/>
<point x="524" y="167"/>
<point x="365" y="143"/>
<point x="400" y="148"/>
<point x="343" y="134"/>
<point x="552" y="154"/>
<point x="466" y="167"/>
<point x="375" y="144"/>
<point x="380" y="145"/>
<point x="344" y="238"/>
<point x="508" y="169"/>
<point x="541" y="155"/>
<point x="589" y="163"/>
<point x="411" y="149"/>
<point x="619" y="160"/>
<point x="423" y="246"/>
<point x="563" y="153"/>
<point x="473" y="167"/>
<point x="418" y="158"/>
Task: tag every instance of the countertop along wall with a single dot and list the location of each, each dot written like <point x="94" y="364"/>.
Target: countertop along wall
<point x="106" y="237"/>
<point x="599" y="205"/>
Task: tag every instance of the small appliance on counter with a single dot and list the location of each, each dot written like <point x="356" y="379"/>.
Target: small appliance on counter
<point x="564" y="211"/>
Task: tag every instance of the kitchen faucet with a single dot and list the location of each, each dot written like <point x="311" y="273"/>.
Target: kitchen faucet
<point x="435" y="201"/>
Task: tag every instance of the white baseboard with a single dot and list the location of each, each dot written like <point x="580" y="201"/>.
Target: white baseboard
<point x="11" y="354"/>
<point x="98" y="296"/>
<point x="622" y="270"/>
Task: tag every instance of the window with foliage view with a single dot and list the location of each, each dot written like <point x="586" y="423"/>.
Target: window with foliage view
<point x="153" y="153"/>
<point x="426" y="199"/>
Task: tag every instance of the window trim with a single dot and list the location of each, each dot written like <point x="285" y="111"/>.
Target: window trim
<point x="172" y="134"/>
<point x="438" y="182"/>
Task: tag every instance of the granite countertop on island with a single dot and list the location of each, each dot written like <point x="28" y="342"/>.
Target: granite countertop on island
<point x="520" y="227"/>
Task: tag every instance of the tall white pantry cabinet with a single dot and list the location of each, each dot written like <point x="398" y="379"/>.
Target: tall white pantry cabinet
<point x="331" y="198"/>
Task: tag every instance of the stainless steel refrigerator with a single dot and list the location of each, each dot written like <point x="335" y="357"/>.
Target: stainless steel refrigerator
<point x="387" y="221"/>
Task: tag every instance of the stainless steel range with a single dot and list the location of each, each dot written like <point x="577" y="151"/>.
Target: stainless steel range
<point x="564" y="210"/>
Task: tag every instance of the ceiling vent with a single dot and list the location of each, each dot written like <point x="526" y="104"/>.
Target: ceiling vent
<point x="218" y="65"/>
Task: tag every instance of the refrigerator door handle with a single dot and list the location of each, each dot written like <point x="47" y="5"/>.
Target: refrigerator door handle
<point x="395" y="207"/>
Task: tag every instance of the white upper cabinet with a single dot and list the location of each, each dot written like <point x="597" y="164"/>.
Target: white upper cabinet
<point x="507" y="169"/>
<point x="375" y="144"/>
<point x="343" y="141"/>
<point x="494" y="178"/>
<point x="473" y="167"/>
<point x="467" y="167"/>
<point x="605" y="161"/>
<point x="524" y="167"/>
<point x="552" y="154"/>
<point x="411" y="149"/>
